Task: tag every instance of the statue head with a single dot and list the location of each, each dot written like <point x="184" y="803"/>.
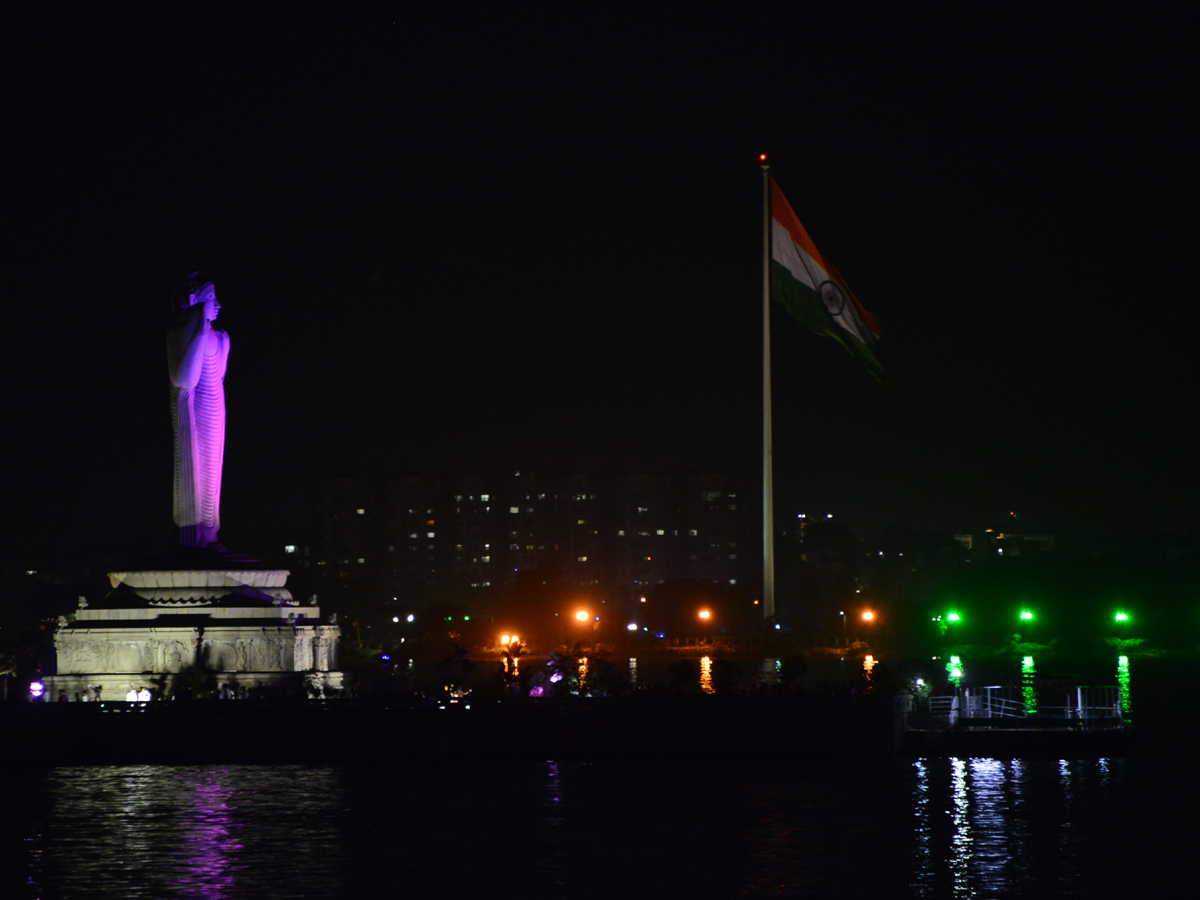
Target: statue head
<point x="198" y="291"/>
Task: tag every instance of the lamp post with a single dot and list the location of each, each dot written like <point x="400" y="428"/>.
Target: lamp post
<point x="868" y="618"/>
<point x="583" y="615"/>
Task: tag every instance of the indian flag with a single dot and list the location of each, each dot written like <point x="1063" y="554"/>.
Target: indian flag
<point x="811" y="289"/>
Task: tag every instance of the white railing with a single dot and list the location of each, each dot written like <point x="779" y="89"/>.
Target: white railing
<point x="1080" y="704"/>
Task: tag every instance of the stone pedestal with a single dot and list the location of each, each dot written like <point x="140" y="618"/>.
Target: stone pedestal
<point x="223" y="620"/>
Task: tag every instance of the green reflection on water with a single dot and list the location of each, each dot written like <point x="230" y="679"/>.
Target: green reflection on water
<point x="1027" y="689"/>
<point x="954" y="669"/>
<point x="1123" y="687"/>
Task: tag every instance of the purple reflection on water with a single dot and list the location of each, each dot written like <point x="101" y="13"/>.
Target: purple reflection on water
<point x="210" y="849"/>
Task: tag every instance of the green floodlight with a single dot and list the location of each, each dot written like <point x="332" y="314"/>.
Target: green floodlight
<point x="953" y="617"/>
<point x="1026" y="615"/>
<point x="1121" y="617"/>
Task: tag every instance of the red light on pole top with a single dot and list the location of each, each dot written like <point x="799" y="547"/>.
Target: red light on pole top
<point x="762" y="158"/>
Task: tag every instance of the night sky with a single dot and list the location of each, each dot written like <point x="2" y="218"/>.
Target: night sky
<point x="508" y="238"/>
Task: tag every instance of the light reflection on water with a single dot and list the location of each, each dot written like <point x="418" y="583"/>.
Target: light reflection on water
<point x="706" y="676"/>
<point x="1029" y="684"/>
<point x="1011" y="828"/>
<point x="1123" y="684"/>
<point x="926" y="828"/>
<point x="960" y="844"/>
<point x="187" y="832"/>
<point x="772" y="668"/>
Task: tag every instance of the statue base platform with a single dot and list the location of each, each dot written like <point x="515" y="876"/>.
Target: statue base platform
<point x="217" y="619"/>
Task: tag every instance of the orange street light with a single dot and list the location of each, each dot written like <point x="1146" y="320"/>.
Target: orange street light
<point x="705" y="614"/>
<point x="867" y="615"/>
<point x="582" y="615"/>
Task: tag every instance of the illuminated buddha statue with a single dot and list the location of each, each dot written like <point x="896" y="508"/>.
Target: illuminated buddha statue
<point x="197" y="355"/>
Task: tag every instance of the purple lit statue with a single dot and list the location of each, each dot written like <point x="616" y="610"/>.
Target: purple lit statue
<point x="197" y="355"/>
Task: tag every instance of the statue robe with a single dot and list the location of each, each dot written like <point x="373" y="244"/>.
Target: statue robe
<point x="197" y="356"/>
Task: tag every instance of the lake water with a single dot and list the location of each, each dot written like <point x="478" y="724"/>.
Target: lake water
<point x="545" y="829"/>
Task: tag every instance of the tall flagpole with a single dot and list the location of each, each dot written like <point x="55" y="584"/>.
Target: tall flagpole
<point x="768" y="468"/>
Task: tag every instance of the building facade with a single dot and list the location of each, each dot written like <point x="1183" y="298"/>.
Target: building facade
<point x="405" y="538"/>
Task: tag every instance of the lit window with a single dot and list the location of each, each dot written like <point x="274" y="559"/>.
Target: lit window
<point x="583" y="559"/>
<point x="485" y="497"/>
<point x="514" y="509"/>
<point x="579" y="522"/>
<point x="621" y="532"/>
<point x="692" y="532"/>
<point x="660" y="532"/>
<point x="362" y="512"/>
<point x="361" y="560"/>
<point x="290" y="548"/>
<point x="643" y="509"/>
<point x="429" y="534"/>
<point x="486" y="559"/>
